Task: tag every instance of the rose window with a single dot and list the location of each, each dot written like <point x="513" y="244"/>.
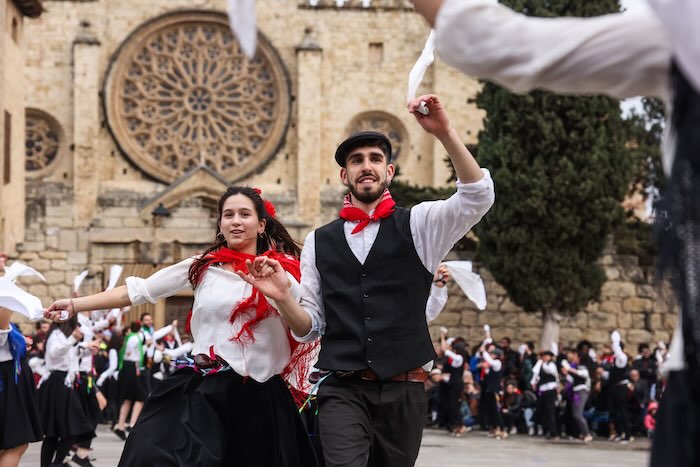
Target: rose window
<point x="180" y="93"/>
<point x="42" y="139"/>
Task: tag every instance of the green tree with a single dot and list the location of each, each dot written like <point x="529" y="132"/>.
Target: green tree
<point x="561" y="167"/>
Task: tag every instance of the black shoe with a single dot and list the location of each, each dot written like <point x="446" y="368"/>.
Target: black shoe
<point x="83" y="462"/>
<point x="120" y="433"/>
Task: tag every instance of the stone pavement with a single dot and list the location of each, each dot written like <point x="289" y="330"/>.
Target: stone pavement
<point x="439" y="449"/>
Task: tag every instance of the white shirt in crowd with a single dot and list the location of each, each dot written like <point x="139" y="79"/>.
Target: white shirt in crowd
<point x="111" y="369"/>
<point x="435" y="227"/>
<point x="5" y="354"/>
<point x="494" y="363"/>
<point x="548" y="367"/>
<point x="456" y="360"/>
<point x="214" y="299"/>
<point x="59" y="351"/>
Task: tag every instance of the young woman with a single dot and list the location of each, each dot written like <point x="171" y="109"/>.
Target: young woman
<point x="19" y="413"/>
<point x="63" y="416"/>
<point x="232" y="406"/>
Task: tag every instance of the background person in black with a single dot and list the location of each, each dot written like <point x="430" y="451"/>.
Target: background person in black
<point x="454" y="367"/>
<point x="491" y="389"/>
<point x="379" y="260"/>
<point x="618" y="378"/>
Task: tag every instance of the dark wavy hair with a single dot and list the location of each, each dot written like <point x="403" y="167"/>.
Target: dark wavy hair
<point x="276" y="236"/>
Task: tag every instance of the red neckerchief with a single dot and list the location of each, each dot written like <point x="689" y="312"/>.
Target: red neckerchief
<point x="296" y="371"/>
<point x="352" y="213"/>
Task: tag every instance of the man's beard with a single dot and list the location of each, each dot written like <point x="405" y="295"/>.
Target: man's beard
<point x="368" y="197"/>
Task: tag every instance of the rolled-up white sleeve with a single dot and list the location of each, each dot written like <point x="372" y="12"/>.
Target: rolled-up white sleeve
<point x="621" y="55"/>
<point x="163" y="283"/>
<point x="310" y="297"/>
<point x="437" y="225"/>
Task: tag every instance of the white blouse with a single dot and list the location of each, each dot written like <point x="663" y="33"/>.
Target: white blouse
<point x="5" y="354"/>
<point x="214" y="299"/>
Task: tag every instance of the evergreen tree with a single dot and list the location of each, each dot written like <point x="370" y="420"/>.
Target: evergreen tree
<point x="561" y="168"/>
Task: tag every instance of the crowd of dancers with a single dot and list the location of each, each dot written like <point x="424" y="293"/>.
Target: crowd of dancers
<point x="578" y="393"/>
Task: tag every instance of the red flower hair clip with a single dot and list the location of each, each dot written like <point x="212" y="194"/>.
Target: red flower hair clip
<point x="270" y="208"/>
<point x="257" y="191"/>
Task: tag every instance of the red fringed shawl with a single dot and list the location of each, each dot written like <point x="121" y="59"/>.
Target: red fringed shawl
<point x="258" y="308"/>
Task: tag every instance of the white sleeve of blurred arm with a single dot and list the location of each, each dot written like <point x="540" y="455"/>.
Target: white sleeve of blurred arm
<point x="621" y="54"/>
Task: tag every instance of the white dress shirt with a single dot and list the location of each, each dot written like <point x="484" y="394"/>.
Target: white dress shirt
<point x="435" y="227"/>
<point x="214" y="299"/>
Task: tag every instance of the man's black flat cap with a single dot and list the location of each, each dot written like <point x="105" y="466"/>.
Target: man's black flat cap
<point x="360" y="139"/>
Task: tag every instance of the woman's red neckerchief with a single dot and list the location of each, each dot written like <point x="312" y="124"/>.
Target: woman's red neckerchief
<point x="352" y="213"/>
<point x="301" y="353"/>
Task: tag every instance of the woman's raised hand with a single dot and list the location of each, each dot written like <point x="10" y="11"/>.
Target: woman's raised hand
<point x="268" y="276"/>
<point x="60" y="310"/>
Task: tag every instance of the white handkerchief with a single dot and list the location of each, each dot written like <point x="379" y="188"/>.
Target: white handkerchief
<point x="241" y="16"/>
<point x="418" y="71"/>
<point x="77" y="280"/>
<point x="115" y="272"/>
<point x="15" y="299"/>
<point x="20" y="269"/>
<point x="470" y="282"/>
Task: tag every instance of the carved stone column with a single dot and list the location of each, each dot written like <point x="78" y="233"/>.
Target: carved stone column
<point x="86" y="118"/>
<point x="309" y="102"/>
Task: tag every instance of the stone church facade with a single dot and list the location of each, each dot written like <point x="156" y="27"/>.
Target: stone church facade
<point x="133" y="105"/>
<point x="137" y="115"/>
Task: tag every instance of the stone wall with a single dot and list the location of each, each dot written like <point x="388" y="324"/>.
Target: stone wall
<point x="629" y="302"/>
<point x="12" y="92"/>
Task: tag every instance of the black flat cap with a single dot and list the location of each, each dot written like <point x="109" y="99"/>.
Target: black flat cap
<point x="360" y="139"/>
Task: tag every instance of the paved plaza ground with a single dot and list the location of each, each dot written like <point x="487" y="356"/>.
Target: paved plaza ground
<point x="442" y="450"/>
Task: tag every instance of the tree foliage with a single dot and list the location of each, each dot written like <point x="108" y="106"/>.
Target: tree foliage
<point x="561" y="166"/>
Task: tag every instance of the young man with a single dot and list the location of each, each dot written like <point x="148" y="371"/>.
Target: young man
<point x="365" y="283"/>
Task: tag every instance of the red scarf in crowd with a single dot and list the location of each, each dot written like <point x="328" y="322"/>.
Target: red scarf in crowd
<point x="257" y="303"/>
<point x="352" y="213"/>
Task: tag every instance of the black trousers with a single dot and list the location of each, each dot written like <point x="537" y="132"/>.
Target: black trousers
<point x="619" y="410"/>
<point x="371" y="423"/>
<point x="489" y="405"/>
<point x="547" y="412"/>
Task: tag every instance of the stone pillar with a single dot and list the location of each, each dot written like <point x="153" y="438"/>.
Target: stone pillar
<point x="86" y="118"/>
<point x="309" y="101"/>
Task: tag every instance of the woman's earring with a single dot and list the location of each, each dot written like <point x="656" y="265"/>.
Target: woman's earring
<point x="220" y="236"/>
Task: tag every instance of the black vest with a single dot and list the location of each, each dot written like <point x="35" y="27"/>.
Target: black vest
<point x="577" y="380"/>
<point x="375" y="313"/>
<point x="492" y="380"/>
<point x="546" y="377"/>
<point x="618" y="375"/>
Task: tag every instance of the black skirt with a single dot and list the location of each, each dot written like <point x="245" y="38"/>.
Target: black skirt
<point x="87" y="390"/>
<point x="130" y="383"/>
<point x="20" y="421"/>
<point x="62" y="413"/>
<point x="219" y="420"/>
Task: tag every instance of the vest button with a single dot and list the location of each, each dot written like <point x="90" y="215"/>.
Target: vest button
<point x="369" y="362"/>
<point x="369" y="339"/>
<point x="368" y="318"/>
<point x="364" y="274"/>
<point x="366" y="295"/>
